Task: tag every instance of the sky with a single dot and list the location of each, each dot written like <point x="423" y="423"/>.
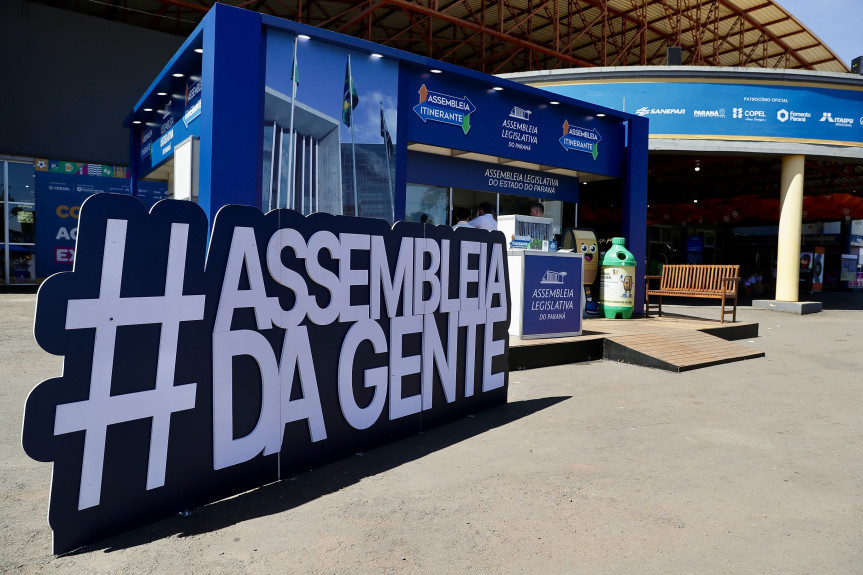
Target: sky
<point x="836" y="22"/>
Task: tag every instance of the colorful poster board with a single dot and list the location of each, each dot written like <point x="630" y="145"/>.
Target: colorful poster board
<point x="856" y="233"/>
<point x="59" y="195"/>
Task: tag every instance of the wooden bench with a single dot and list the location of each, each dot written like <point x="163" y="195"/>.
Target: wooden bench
<point x="706" y="281"/>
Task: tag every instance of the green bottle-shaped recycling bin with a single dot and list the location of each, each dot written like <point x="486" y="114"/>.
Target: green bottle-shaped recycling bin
<point x="617" y="281"/>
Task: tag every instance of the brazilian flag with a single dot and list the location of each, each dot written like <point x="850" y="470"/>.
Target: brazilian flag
<point x="351" y="99"/>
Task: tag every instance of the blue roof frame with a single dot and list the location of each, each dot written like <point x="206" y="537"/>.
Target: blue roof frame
<point x="231" y="119"/>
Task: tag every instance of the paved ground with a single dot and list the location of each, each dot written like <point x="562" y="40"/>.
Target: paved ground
<point x="750" y="467"/>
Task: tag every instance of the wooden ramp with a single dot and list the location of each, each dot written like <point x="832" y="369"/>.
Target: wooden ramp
<point x="675" y="350"/>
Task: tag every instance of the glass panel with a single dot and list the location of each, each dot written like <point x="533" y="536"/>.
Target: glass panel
<point x="21" y="221"/>
<point x="510" y="205"/>
<point x="267" y="173"/>
<point x="2" y="263"/>
<point x="22" y="182"/>
<point x="471" y="199"/>
<point x="22" y="268"/>
<point x="3" y="223"/>
<point x="374" y="172"/>
<point x="426" y="204"/>
<point x="287" y="194"/>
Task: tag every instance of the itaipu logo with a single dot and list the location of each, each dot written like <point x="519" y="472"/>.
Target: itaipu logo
<point x="437" y="107"/>
<point x="837" y="121"/>
<point x="580" y="139"/>
<point x="192" y="373"/>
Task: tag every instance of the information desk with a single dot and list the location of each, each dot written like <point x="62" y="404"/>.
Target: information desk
<point x="547" y="293"/>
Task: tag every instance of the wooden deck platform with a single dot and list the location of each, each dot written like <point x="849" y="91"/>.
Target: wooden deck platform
<point x="672" y="342"/>
<point x="676" y="351"/>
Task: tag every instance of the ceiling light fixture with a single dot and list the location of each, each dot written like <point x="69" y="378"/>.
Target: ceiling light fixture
<point x="436" y="71"/>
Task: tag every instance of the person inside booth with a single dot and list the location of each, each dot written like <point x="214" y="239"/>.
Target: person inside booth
<point x="484" y="219"/>
<point x="462" y="216"/>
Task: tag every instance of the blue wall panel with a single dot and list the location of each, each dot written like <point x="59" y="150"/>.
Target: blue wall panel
<point x="775" y="112"/>
<point x="232" y="111"/>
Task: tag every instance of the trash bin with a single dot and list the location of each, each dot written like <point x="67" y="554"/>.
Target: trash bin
<point x="617" y="281"/>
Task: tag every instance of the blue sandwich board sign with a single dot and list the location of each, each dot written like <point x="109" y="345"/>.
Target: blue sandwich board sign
<point x="552" y="295"/>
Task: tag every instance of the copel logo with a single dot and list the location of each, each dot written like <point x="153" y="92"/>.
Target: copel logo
<point x="749" y="115"/>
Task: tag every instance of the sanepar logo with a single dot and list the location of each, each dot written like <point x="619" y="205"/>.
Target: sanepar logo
<point x="646" y="111"/>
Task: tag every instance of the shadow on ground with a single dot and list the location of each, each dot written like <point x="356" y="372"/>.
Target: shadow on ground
<point x="295" y="491"/>
<point x="837" y="300"/>
<point x="830" y="300"/>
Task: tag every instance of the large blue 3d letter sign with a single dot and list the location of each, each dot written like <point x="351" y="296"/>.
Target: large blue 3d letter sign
<point x="190" y="376"/>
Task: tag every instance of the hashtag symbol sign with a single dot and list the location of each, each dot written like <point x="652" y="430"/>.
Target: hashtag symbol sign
<point x="106" y="313"/>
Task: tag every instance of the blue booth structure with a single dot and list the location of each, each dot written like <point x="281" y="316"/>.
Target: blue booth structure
<point x="266" y="112"/>
<point x="205" y="355"/>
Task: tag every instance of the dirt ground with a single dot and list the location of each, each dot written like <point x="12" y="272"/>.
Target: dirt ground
<point x="594" y="468"/>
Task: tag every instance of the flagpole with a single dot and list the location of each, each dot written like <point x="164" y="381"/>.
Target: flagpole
<point x="354" y="162"/>
<point x="353" y="148"/>
<point x="387" y="159"/>
<point x="290" y="199"/>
